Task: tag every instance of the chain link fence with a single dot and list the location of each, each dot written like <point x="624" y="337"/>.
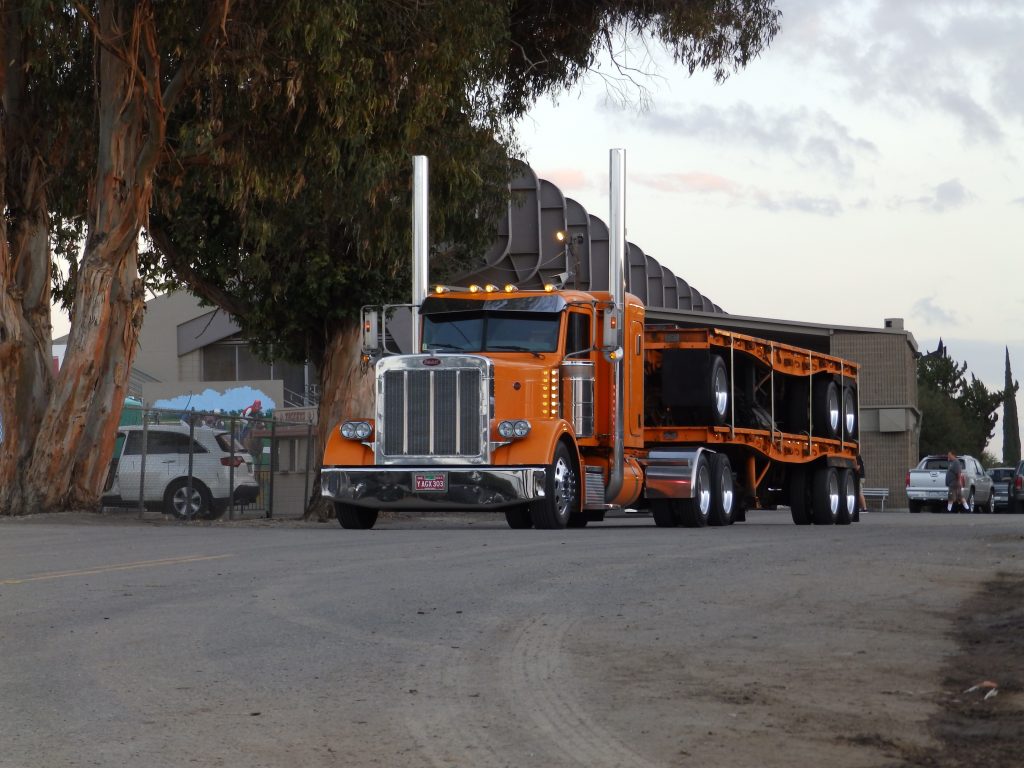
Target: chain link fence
<point x="204" y="465"/>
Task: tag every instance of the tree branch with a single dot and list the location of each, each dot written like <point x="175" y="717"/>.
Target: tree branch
<point x="197" y="284"/>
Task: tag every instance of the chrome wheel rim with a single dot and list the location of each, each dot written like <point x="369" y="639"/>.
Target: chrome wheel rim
<point x="565" y="488"/>
<point x="702" y="491"/>
<point x="833" y="494"/>
<point x="721" y="392"/>
<point x="180" y="502"/>
<point x="833" y="410"/>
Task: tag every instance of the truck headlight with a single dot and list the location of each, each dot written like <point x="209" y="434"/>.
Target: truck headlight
<point x="514" y="430"/>
<point x="356" y="430"/>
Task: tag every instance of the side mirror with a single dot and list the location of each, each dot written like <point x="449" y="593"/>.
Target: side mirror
<point x="371" y="331"/>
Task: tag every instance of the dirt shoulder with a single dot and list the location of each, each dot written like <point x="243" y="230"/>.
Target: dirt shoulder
<point x="981" y="717"/>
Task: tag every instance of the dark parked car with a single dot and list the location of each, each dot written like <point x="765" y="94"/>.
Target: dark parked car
<point x="1001" y="477"/>
<point x="1016" y="498"/>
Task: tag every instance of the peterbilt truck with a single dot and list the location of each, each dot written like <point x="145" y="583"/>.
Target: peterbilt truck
<point x="556" y="406"/>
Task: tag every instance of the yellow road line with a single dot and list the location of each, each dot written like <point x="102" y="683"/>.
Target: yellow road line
<point x="117" y="567"/>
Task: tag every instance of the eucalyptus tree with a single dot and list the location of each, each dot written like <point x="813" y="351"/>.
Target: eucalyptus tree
<point x="303" y="214"/>
<point x="265" y="148"/>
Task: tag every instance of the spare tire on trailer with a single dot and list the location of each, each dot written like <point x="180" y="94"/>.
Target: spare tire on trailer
<point x="718" y="391"/>
<point x="825" y="408"/>
<point x="849" y="414"/>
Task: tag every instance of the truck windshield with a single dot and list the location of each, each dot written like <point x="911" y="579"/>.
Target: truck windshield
<point x="491" y="332"/>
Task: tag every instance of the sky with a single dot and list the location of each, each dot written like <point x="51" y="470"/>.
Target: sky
<point x="869" y="165"/>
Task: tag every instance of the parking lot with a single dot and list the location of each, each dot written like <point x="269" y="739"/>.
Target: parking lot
<point x="453" y="640"/>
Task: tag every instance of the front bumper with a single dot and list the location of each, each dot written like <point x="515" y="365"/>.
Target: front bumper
<point x="465" y="487"/>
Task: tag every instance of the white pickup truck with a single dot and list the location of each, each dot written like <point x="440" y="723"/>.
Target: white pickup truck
<point x="926" y="485"/>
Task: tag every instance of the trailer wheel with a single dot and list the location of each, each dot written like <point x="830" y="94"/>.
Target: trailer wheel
<point x="353" y="517"/>
<point x="554" y="510"/>
<point x="665" y="513"/>
<point x="799" y="496"/>
<point x="723" y="494"/>
<point x="519" y="517"/>
<point x="825" y="408"/>
<point x="825" y="496"/>
<point x="694" y="512"/>
<point x="847" y="497"/>
<point x="719" y="390"/>
<point x="850" y="413"/>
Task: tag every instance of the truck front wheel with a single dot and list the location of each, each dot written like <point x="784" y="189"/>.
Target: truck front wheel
<point x="519" y="517"/>
<point x="562" y="493"/>
<point x="353" y="517"/>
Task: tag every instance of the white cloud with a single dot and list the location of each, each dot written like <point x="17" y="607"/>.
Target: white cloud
<point x="947" y="196"/>
<point x="810" y="138"/>
<point x="932" y="314"/>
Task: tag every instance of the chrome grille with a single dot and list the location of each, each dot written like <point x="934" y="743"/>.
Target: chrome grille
<point x="432" y="412"/>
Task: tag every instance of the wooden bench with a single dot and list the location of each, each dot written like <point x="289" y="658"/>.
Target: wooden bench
<point x="881" y="494"/>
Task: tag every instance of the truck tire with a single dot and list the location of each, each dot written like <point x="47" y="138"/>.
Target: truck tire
<point x="665" y="513"/>
<point x="718" y="382"/>
<point x="914" y="506"/>
<point x="355" y="518"/>
<point x="799" y="496"/>
<point x="849" y="413"/>
<point x="798" y="407"/>
<point x="847" y="497"/>
<point x="176" y="502"/>
<point x="825" y="408"/>
<point x="694" y="512"/>
<point x="723" y="495"/>
<point x="562" y="497"/>
<point x="519" y="517"/>
<point x="825" y="496"/>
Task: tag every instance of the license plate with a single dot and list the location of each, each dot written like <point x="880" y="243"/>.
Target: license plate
<point x="431" y="481"/>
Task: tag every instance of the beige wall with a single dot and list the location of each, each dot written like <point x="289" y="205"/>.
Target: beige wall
<point x="890" y="420"/>
<point x="157" y="352"/>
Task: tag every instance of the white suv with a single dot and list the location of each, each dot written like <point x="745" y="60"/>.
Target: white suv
<point x="214" y="467"/>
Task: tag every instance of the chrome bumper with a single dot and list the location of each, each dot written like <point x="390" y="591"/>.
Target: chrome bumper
<point x="464" y="487"/>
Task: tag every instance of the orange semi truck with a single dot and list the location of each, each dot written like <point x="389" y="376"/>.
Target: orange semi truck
<point x="558" y="406"/>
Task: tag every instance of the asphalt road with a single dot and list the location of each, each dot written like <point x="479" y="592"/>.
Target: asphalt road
<point x="457" y="642"/>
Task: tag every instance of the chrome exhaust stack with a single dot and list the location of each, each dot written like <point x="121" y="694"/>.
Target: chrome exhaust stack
<point x="614" y="317"/>
<point x="420" y="243"/>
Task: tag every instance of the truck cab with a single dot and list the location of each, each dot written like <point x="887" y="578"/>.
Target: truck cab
<point x="510" y="387"/>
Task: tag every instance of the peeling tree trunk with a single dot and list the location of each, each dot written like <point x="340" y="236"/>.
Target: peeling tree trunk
<point x="69" y="461"/>
<point x="26" y="374"/>
<point x="346" y="391"/>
